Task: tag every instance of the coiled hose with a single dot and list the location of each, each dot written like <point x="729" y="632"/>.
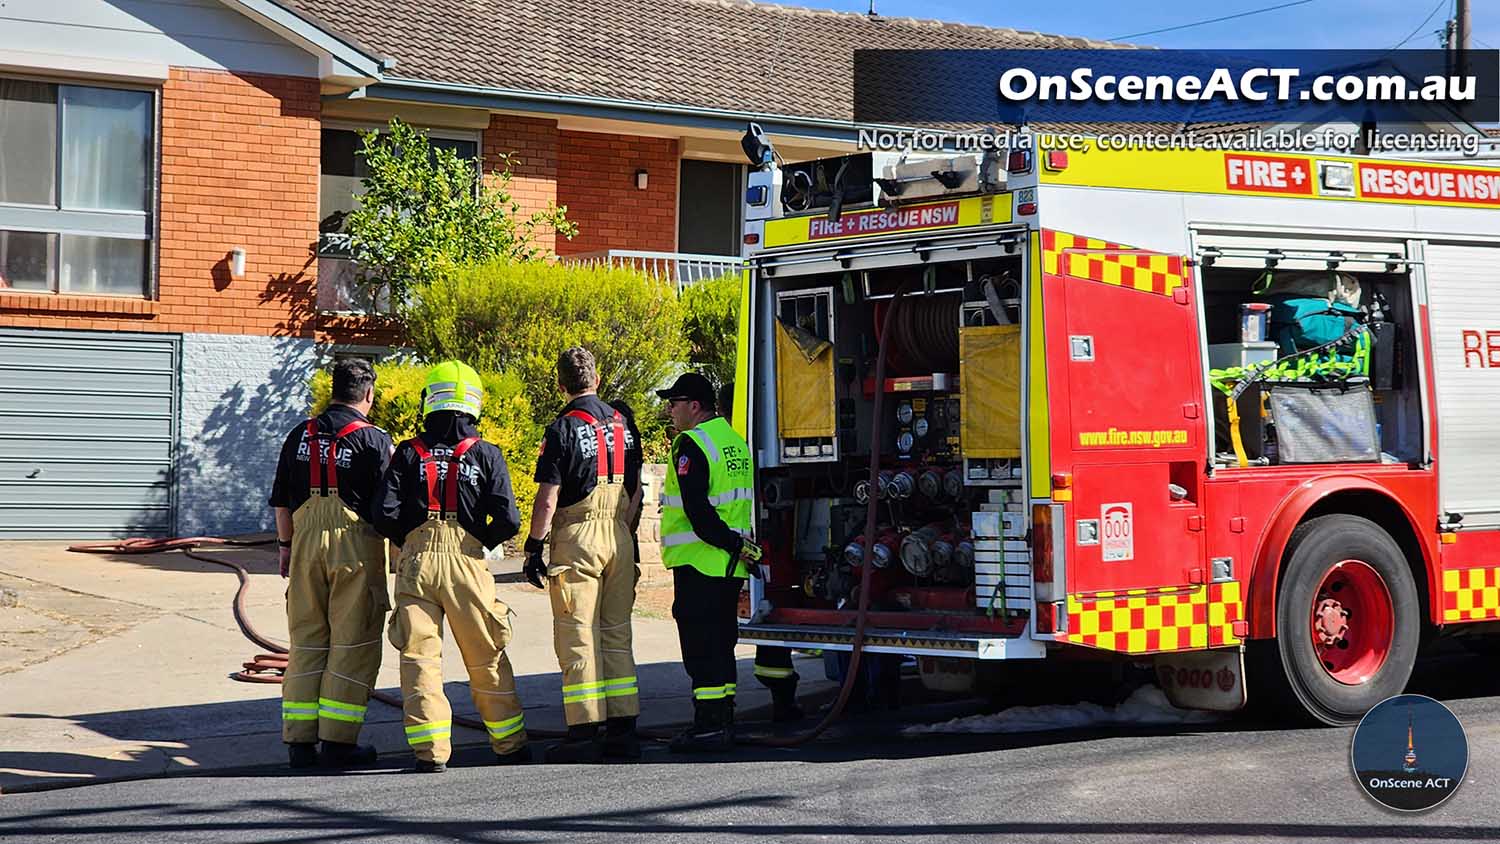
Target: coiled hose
<point x="263" y="668"/>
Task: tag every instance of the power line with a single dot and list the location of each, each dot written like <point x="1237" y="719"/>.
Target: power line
<point x="1478" y="40"/>
<point x="1212" y="20"/>
<point x="1414" y="32"/>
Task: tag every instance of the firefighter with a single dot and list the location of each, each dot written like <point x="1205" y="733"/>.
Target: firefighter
<point x="447" y="497"/>
<point x="773" y="665"/>
<point x="588" y="496"/>
<point x="705" y="530"/>
<point x="324" y="497"/>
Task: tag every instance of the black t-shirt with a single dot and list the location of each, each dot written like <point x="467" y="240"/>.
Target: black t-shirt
<point x="362" y="457"/>
<point x="570" y="451"/>
<point x="486" y="503"/>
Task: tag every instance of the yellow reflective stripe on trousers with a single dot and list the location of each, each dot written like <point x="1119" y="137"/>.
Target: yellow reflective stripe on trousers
<point x="711" y="693"/>
<point x="773" y="673"/>
<point x="423" y="733"/>
<point x="594" y="690"/>
<point x="508" y="727"/>
<point x="299" y="710"/>
<point x="337" y="710"/>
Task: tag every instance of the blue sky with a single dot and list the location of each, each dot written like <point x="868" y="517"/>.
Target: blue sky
<point x="1319" y="24"/>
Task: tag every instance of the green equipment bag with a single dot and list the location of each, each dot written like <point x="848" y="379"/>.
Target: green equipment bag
<point x="1299" y="323"/>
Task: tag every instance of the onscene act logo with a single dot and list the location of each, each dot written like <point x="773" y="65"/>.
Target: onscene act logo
<point x="1409" y="753"/>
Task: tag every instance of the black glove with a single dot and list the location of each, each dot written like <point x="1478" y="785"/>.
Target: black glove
<point x="535" y="570"/>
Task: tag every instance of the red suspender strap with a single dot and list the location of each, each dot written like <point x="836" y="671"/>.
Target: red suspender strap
<point x="617" y="459"/>
<point x="611" y="461"/>
<point x="450" y="492"/>
<point x="328" y="464"/>
<point x="333" y="450"/>
<point x="429" y="472"/>
<point x="314" y="457"/>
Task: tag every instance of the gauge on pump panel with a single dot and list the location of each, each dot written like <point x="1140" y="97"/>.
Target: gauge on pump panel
<point x="904" y="413"/>
<point x="921" y="427"/>
<point x="903" y="442"/>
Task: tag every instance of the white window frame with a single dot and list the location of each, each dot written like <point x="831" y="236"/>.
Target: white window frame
<point x="58" y="221"/>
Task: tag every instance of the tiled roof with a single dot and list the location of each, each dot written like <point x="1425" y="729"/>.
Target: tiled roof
<point x="719" y="54"/>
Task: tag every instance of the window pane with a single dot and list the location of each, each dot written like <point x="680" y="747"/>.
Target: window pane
<point x="27" y="260"/>
<point x="342" y="168"/>
<point x="28" y="142"/>
<point x="106" y="141"/>
<point x="107" y="266"/>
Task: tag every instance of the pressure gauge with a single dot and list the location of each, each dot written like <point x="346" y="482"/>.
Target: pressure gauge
<point x="903" y="442"/>
<point x="903" y="413"/>
<point x="921" y="427"/>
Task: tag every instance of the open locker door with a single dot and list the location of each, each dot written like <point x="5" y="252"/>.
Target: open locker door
<point x="1128" y="442"/>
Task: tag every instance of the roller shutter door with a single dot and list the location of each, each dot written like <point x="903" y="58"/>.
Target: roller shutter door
<point x="1463" y="293"/>
<point x="88" y="428"/>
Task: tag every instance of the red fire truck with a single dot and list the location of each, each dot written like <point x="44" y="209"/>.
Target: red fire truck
<point x="1230" y="413"/>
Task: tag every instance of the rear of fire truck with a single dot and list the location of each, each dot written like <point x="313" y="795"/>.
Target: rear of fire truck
<point x="961" y="562"/>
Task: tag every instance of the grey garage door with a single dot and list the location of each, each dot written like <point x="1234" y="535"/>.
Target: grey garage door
<point x="88" y="425"/>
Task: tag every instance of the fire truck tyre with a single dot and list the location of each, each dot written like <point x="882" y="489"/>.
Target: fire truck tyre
<point x="1348" y="619"/>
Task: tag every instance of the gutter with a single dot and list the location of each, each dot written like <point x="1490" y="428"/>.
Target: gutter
<point x="582" y="105"/>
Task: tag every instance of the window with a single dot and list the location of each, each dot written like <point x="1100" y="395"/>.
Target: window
<point x="340" y="185"/>
<point x="76" y="167"/>
<point x="709" y="208"/>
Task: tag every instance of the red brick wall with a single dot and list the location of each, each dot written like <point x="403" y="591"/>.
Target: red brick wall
<point x="532" y="144"/>
<point x="239" y="167"/>
<point x="596" y="181"/>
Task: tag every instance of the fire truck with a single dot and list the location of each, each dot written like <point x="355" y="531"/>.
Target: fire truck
<point x="1229" y="415"/>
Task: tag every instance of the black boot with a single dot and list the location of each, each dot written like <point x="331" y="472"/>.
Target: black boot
<point x="620" y="739"/>
<point x="784" y="708"/>
<point x="711" y="729"/>
<point x="582" y="746"/>
<point x="427" y="766"/>
<point x="338" y="754"/>
<point x="515" y="757"/>
<point x="302" y="754"/>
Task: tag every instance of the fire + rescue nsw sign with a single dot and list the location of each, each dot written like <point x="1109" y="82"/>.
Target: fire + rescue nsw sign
<point x="879" y="221"/>
<point x="1116" y="527"/>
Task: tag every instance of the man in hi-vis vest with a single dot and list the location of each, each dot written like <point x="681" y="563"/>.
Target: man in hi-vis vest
<point x="705" y="542"/>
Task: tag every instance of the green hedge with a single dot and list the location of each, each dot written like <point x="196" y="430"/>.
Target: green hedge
<point x="710" y="312"/>
<point x="506" y="420"/>
<point x="517" y="317"/>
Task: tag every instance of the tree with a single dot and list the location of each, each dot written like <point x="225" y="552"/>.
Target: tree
<point x="425" y="211"/>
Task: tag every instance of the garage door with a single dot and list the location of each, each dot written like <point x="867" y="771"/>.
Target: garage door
<point x="88" y="425"/>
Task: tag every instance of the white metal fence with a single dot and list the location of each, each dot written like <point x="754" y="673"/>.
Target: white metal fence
<point x="681" y="268"/>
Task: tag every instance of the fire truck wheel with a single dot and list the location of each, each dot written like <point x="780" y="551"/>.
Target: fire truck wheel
<point x="1348" y="619"/>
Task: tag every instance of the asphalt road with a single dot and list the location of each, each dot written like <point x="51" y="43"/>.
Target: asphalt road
<point x="1240" y="781"/>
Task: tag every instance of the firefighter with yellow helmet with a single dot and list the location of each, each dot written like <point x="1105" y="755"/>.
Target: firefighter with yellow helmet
<point x="447" y="497"/>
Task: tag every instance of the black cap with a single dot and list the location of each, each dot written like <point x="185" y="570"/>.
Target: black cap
<point x="690" y="386"/>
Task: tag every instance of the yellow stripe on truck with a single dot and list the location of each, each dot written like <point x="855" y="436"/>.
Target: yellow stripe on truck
<point x="874" y="222"/>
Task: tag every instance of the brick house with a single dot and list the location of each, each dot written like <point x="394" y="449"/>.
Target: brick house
<point x="172" y="174"/>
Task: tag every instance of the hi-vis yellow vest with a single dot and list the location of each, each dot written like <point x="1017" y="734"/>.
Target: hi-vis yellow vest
<point x="729" y="491"/>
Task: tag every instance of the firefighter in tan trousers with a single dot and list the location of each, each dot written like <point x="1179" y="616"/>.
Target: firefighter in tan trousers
<point x="589" y="493"/>
<point x="324" y="495"/>
<point x="447" y="497"/>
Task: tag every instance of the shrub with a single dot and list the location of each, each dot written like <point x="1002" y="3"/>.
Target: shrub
<point x="516" y="317"/>
<point x="710" y="315"/>
<point x="506" y="419"/>
<point x="422" y="214"/>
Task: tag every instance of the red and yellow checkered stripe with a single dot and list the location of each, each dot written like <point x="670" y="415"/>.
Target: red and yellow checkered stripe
<point x="1110" y="263"/>
<point x="1143" y="621"/>
<point x="1471" y="594"/>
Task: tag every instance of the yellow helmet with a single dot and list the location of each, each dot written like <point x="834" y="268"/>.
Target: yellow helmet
<point x="453" y="385"/>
